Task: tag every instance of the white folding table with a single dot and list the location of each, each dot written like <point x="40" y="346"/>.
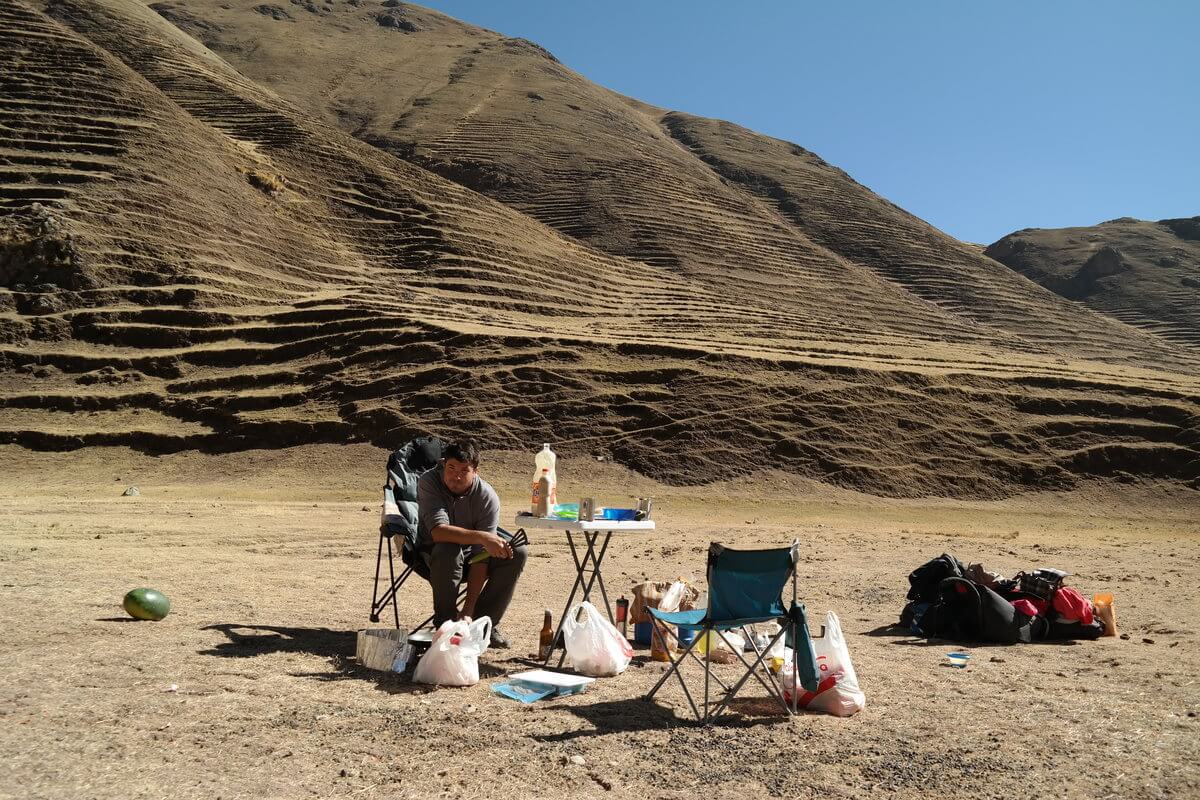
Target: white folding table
<point x="587" y="568"/>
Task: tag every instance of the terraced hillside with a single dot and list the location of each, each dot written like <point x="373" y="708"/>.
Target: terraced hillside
<point x="1144" y="273"/>
<point x="701" y="198"/>
<point x="327" y="245"/>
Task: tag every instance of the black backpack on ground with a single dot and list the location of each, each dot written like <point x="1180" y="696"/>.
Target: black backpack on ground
<point x="925" y="579"/>
<point x="968" y="611"/>
<point x="923" y="590"/>
<point x="1059" y="630"/>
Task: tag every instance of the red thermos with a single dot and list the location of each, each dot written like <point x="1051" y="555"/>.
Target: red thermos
<point x="623" y="616"/>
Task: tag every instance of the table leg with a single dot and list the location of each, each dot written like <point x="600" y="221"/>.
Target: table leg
<point x="570" y="599"/>
<point x="585" y="582"/>
<point x="597" y="577"/>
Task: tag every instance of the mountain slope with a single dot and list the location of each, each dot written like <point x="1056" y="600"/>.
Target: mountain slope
<point x="703" y="198"/>
<point x="191" y="260"/>
<point x="1143" y="273"/>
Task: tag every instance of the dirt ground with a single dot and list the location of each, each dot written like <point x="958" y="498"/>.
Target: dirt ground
<point x="268" y="560"/>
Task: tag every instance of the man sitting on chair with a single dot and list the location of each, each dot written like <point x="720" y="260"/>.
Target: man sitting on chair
<point x="458" y="514"/>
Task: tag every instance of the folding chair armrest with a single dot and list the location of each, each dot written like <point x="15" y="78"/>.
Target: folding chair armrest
<point x="802" y="648"/>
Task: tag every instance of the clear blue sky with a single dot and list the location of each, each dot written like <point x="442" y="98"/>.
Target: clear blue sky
<point x="980" y="117"/>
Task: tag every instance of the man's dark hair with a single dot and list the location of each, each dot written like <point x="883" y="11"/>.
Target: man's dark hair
<point x="465" y="450"/>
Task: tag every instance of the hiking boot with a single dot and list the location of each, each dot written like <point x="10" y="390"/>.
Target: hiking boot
<point x="499" y="640"/>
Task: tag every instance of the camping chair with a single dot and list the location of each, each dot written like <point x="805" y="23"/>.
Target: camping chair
<point x="395" y="527"/>
<point x="398" y="522"/>
<point x="745" y="587"/>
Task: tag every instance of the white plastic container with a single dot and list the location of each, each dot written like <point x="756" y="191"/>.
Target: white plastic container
<point x="958" y="659"/>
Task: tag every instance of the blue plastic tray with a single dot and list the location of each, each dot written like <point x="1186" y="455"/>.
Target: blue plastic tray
<point x="618" y="514"/>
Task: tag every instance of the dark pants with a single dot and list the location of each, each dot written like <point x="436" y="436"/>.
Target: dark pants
<point x="446" y="573"/>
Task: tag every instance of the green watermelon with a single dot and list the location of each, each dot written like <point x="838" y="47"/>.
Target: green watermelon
<point x="146" y="603"/>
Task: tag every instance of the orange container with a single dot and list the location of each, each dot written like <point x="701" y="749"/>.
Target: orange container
<point x="659" y="652"/>
<point x="1106" y="613"/>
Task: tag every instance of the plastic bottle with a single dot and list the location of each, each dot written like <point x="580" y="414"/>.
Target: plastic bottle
<point x="623" y="616"/>
<point x="545" y="461"/>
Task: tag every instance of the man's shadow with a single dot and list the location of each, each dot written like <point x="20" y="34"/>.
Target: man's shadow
<point x="249" y="641"/>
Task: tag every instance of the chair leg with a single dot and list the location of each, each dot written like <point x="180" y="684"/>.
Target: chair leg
<point x="752" y="670"/>
<point x="774" y="689"/>
<point x="391" y="572"/>
<point x="390" y="597"/>
<point x="378" y="601"/>
<point x="795" y="633"/>
<point x="795" y="669"/>
<point x="674" y="668"/>
<point x="708" y="648"/>
<point x="703" y="665"/>
<point x="374" y="617"/>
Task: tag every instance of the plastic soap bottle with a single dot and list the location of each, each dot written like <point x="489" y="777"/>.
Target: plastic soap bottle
<point x="544" y="463"/>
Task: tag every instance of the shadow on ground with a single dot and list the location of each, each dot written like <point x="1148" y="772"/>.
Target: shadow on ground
<point x="639" y="714"/>
<point x="249" y="641"/>
<point x="905" y="637"/>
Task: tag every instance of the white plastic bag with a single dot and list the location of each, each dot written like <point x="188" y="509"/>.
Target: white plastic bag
<point x="673" y="596"/>
<point x="838" y="693"/>
<point x="664" y="639"/>
<point x="453" y="656"/>
<point x="596" y="648"/>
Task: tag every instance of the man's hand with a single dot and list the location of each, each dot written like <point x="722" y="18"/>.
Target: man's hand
<point x="496" y="546"/>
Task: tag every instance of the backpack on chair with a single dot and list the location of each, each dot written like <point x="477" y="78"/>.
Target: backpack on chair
<point x="398" y="524"/>
<point x="404" y="468"/>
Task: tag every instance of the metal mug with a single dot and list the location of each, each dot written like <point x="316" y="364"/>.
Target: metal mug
<point x="587" y="509"/>
<point x="643" y="507"/>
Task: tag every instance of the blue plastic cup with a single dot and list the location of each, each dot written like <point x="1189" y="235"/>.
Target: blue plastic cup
<point x="687" y="636"/>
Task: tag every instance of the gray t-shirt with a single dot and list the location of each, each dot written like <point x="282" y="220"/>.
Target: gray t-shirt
<point x="477" y="510"/>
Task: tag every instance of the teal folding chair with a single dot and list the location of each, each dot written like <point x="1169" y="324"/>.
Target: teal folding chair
<point x="745" y="587"/>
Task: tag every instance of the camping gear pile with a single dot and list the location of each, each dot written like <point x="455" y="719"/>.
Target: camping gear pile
<point x="744" y="624"/>
<point x="948" y="600"/>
